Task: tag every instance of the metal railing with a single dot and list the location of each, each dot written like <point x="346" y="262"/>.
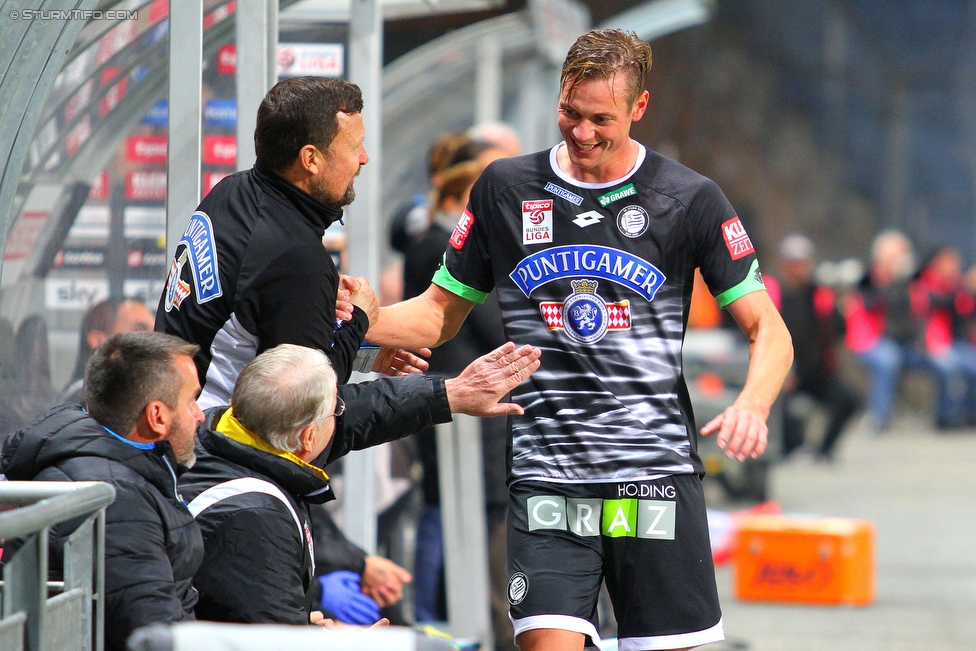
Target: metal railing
<point x="73" y="618"/>
<point x="212" y="636"/>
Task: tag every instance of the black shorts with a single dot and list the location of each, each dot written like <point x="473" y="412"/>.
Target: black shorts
<point x="647" y="539"/>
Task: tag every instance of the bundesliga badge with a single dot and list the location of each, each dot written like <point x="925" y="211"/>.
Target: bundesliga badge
<point x="585" y="316"/>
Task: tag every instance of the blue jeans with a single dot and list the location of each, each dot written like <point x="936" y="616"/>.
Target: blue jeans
<point x="883" y="361"/>
<point x="428" y="568"/>
<point x="954" y="371"/>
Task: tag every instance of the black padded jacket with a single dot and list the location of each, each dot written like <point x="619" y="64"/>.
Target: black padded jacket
<point x="152" y="545"/>
<point x="258" y="566"/>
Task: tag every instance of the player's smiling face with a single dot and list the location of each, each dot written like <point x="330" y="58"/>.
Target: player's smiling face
<point x="594" y="119"/>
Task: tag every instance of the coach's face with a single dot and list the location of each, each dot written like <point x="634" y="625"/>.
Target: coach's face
<point x="333" y="185"/>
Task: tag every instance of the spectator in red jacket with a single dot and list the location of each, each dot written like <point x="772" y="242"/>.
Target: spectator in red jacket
<point x="948" y="309"/>
<point x="896" y="319"/>
<point x="882" y="327"/>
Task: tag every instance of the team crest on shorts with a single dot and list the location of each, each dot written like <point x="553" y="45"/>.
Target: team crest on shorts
<point x="518" y="587"/>
<point x="632" y="221"/>
<point x="584" y="315"/>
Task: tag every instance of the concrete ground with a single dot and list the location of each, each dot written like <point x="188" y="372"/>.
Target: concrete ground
<point x="919" y="488"/>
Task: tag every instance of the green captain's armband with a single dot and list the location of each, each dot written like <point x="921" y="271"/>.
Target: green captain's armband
<point x="753" y="282"/>
<point x="443" y="278"/>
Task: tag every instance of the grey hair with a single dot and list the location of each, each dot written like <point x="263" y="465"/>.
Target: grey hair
<point x="283" y="390"/>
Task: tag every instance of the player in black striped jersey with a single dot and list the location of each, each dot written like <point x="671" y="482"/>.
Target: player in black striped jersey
<point x="592" y="248"/>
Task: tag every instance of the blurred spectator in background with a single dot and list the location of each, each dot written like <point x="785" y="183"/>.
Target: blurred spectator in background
<point x="478" y="335"/>
<point x="882" y="329"/>
<point x="26" y="378"/>
<point x="897" y="318"/>
<point x="948" y="310"/>
<point x="499" y="135"/>
<point x="8" y="378"/>
<point x="811" y="314"/>
<point x="483" y="143"/>
<point x="412" y="217"/>
<point x="101" y="321"/>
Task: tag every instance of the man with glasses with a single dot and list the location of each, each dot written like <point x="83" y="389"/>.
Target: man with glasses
<point x="260" y="466"/>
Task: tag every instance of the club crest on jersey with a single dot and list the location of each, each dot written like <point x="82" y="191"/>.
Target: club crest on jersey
<point x="177" y="289"/>
<point x="584" y="315"/>
<point x="633" y="221"/>
<point x="736" y="239"/>
<point x="461" y="230"/>
<point x="537" y="221"/>
<point x="571" y="197"/>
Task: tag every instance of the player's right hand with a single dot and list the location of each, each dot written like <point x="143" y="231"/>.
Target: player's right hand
<point x="362" y="296"/>
<point x="742" y="432"/>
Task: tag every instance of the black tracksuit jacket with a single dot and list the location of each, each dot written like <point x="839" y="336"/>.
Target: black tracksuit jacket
<point x="152" y="545"/>
<point x="257" y="568"/>
<point x="250" y="273"/>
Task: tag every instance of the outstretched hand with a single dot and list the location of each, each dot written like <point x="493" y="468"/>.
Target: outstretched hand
<point x="479" y="387"/>
<point x="742" y="433"/>
<point x="400" y="361"/>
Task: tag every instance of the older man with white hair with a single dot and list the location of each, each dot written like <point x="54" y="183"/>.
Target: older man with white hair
<point x="260" y="466"/>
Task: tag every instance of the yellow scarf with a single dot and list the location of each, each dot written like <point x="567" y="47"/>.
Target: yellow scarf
<point x="233" y="429"/>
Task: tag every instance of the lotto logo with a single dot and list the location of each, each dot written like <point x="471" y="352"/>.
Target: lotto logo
<point x="736" y="239"/>
<point x="633" y="518"/>
<point x="461" y="230"/>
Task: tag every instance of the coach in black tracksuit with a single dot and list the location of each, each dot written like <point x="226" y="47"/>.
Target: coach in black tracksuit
<point x="250" y="270"/>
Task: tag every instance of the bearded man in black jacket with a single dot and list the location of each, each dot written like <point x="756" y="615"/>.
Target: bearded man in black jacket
<point x="137" y="435"/>
<point x="260" y="466"/>
<point x="250" y="271"/>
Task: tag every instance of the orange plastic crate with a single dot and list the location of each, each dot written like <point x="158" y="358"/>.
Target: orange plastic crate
<point x="806" y="560"/>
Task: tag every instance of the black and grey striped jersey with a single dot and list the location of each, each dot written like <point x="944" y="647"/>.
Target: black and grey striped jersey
<point x="599" y="276"/>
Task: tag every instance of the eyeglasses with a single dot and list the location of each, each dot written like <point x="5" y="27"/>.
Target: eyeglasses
<point x="340" y="408"/>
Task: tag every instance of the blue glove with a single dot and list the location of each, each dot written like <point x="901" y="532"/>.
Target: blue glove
<point x="342" y="596"/>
